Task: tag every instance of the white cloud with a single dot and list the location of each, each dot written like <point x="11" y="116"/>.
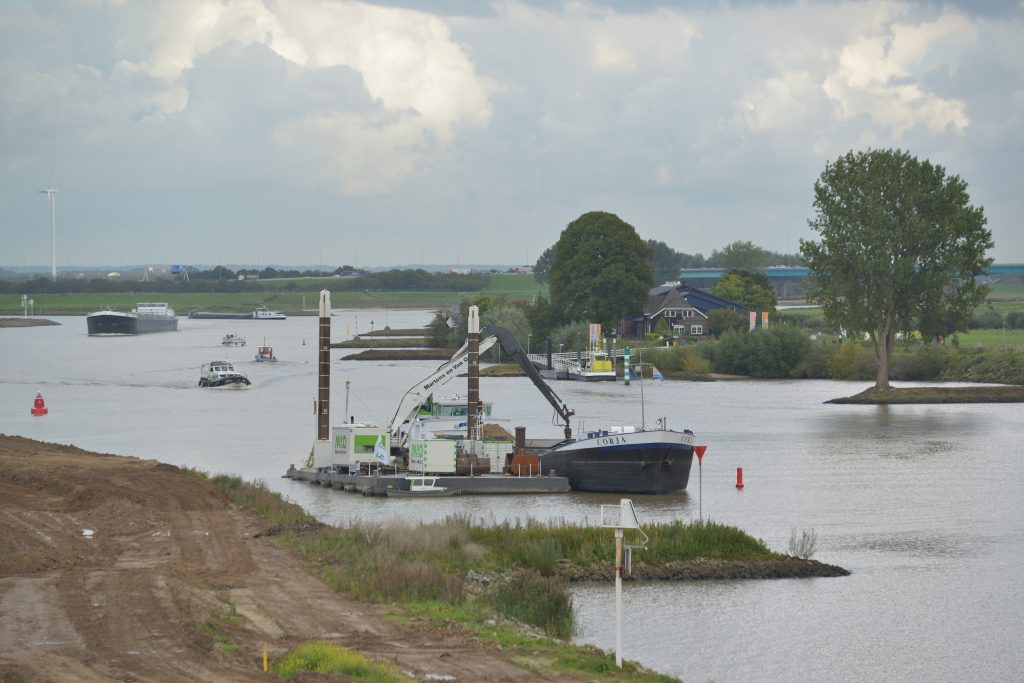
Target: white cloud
<point x="423" y="81"/>
<point x="879" y="76"/>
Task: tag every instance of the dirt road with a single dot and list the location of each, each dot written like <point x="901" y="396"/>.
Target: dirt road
<point x="120" y="569"/>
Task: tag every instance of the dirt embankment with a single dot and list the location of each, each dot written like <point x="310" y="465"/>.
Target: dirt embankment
<point x="780" y="568"/>
<point x="120" y="569"/>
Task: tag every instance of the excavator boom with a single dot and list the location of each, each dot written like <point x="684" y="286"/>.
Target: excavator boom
<point x="510" y="346"/>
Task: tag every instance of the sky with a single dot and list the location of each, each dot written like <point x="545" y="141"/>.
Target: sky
<point x="322" y="132"/>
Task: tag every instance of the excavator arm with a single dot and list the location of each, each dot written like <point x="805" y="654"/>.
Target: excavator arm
<point x="510" y="346"/>
<point x="415" y="397"/>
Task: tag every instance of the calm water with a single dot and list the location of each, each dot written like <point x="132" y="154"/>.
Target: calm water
<point x="923" y="504"/>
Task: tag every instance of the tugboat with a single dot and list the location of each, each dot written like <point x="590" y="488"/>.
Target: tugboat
<point x="221" y="373"/>
<point x="266" y="355"/>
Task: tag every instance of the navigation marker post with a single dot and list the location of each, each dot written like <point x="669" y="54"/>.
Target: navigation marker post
<point x="621" y="517"/>
<point x="699" y="451"/>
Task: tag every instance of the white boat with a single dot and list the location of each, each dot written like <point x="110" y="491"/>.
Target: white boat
<point x="232" y="340"/>
<point x="221" y="373"/>
<point x="421" y="487"/>
<point x="264" y="313"/>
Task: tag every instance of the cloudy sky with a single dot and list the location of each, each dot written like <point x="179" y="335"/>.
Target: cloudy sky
<point x="458" y="131"/>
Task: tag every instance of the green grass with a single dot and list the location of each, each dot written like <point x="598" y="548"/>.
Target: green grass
<point x="516" y="285"/>
<point x="991" y="339"/>
<point x="421" y="569"/>
<point x="327" y="658"/>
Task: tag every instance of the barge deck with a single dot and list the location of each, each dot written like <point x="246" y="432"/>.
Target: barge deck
<point x="481" y="484"/>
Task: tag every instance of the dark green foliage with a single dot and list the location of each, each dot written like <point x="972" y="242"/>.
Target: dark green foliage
<point x="723" y="319"/>
<point x="901" y="246"/>
<point x="772" y="352"/>
<point x="741" y="255"/>
<point x="666" y="261"/>
<point x="540" y="601"/>
<point x="924" y="363"/>
<point x="987" y="319"/>
<point x="1015" y="320"/>
<point x="752" y="291"/>
<point x="544" y="318"/>
<point x="542" y="269"/>
<point x="601" y="271"/>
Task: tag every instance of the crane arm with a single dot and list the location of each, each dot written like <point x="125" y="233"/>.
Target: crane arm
<point x="510" y="346"/>
<point x="414" y="398"/>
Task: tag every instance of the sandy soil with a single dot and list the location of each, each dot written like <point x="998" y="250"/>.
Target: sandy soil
<point x="166" y="553"/>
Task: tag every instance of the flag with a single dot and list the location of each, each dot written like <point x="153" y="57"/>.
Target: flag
<point x="753" y="320"/>
<point x="379" y="452"/>
<point x="656" y="374"/>
<point x="632" y="374"/>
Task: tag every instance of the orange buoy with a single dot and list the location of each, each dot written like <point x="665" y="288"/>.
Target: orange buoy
<point x="39" y="406"/>
<point x="739" y="477"/>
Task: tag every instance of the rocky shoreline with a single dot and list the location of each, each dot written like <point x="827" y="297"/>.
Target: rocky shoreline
<point x="782" y="567"/>
<point x="927" y="395"/>
<point x="26" y="322"/>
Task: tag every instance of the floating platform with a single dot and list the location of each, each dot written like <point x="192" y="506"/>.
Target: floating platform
<point x="482" y="484"/>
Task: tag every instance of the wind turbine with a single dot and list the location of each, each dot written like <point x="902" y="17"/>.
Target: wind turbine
<point x="51" y="192"/>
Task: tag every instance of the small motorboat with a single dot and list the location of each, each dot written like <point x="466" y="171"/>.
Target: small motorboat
<point x="221" y="373"/>
<point x="232" y="340"/>
<point x="266" y="355"/>
<point x="421" y="487"/>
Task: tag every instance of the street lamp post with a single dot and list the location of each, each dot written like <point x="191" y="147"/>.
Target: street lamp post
<point x="371" y="335"/>
<point x="528" y="344"/>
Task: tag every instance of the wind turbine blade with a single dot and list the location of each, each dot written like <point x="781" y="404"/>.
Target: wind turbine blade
<point x="49" y="182"/>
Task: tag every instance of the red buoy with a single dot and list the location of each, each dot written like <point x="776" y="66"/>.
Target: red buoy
<point x="739" y="477"/>
<point x="39" y="407"/>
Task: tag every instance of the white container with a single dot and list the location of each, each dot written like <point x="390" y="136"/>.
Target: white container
<point x="354" y="443"/>
<point x="496" y="451"/>
<point x="432" y="456"/>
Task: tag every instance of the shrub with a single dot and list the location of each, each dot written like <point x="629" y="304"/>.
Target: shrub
<point x="802" y="546"/>
<point x="925" y="363"/>
<point x="1015" y="320"/>
<point x="773" y="352"/>
<point x="840" y="365"/>
<point x="815" y="364"/>
<point x="989" y="319"/>
<point x="328" y="658"/>
<point x="536" y="600"/>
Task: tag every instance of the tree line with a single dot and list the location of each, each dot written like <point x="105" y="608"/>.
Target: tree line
<point x="384" y="281"/>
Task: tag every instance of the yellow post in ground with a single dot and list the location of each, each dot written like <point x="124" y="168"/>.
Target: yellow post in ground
<point x="264" y="656"/>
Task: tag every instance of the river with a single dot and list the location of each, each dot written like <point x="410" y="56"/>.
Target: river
<point x="922" y="503"/>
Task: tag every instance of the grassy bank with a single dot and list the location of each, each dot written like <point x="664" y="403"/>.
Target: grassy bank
<point x="488" y="579"/>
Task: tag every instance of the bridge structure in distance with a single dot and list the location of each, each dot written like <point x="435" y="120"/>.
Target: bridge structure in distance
<point x="780" y="276"/>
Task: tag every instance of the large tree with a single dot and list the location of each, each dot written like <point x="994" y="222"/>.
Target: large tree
<point x="753" y="291"/>
<point x="901" y="244"/>
<point x="601" y="270"/>
<point x="741" y="255"/>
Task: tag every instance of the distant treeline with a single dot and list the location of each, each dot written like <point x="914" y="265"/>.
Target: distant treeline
<point x="386" y="281"/>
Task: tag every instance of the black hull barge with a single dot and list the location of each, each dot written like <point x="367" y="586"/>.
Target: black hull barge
<point x="143" y="319"/>
<point x="646" y="462"/>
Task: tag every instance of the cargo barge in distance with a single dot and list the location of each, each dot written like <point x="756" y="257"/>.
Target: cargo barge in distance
<point x="143" y="319"/>
<point x="261" y="313"/>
